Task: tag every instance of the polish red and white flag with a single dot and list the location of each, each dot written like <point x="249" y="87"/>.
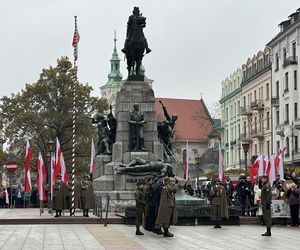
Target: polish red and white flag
<point x="57" y="168"/>
<point x="93" y="155"/>
<point x="52" y="174"/>
<point x="28" y="157"/>
<point x="41" y="178"/>
<point x="64" y="173"/>
<point x="221" y="165"/>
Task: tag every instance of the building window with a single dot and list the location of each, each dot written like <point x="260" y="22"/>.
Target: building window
<point x="295" y="79"/>
<point x="277" y="89"/>
<point x="268" y="91"/>
<point x="277" y="146"/>
<point x="284" y="54"/>
<point x="277" y="118"/>
<point x="238" y="110"/>
<point x="296" y="144"/>
<point x="255" y="149"/>
<point x="277" y="61"/>
<point x="268" y="120"/>
<point x="294" y="50"/>
<point x="286" y="81"/>
<point x="296" y="110"/>
<point x="287" y="113"/>
<point x="268" y="147"/>
<point x="287" y="146"/>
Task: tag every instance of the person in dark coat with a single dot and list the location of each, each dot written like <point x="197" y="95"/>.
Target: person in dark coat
<point x="229" y="188"/>
<point x="149" y="208"/>
<point x="59" y="196"/>
<point x="140" y="200"/>
<point x="266" y="200"/>
<point x="87" y="195"/>
<point x="219" y="206"/>
<point x="157" y="188"/>
<point x="167" y="212"/>
<point x="293" y="195"/>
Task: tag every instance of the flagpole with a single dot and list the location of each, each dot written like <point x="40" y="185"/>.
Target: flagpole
<point x="75" y="45"/>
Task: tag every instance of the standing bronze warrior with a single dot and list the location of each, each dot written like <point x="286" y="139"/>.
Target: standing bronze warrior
<point x="136" y="129"/>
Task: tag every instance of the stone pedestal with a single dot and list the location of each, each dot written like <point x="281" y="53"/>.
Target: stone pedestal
<point x="100" y="162"/>
<point x="121" y="187"/>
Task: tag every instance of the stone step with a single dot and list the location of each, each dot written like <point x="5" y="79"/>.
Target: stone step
<point x="62" y="220"/>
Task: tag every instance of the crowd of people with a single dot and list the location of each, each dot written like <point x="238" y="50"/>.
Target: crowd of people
<point x="16" y="197"/>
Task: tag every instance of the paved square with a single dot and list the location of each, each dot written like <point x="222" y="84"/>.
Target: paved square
<point x="75" y="237"/>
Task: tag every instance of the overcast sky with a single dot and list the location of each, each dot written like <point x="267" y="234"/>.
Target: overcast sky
<point x="195" y="43"/>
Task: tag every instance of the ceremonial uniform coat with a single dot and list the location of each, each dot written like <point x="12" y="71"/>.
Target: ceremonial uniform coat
<point x="87" y="194"/>
<point x="219" y="206"/>
<point x="140" y="199"/>
<point x="59" y="195"/>
<point x="167" y="212"/>
<point x="266" y="200"/>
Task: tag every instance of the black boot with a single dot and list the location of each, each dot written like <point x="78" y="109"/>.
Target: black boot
<point x="138" y="232"/>
<point x="59" y="213"/>
<point x="87" y="213"/>
<point x="167" y="233"/>
<point x="268" y="233"/>
<point x="158" y="231"/>
<point x="56" y="215"/>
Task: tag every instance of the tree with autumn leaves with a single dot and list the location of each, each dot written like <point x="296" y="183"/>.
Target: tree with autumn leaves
<point x="42" y="111"/>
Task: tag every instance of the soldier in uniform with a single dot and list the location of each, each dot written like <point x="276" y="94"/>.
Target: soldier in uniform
<point x="87" y="195"/>
<point x="219" y="206"/>
<point x="266" y="200"/>
<point x="140" y="199"/>
<point x="59" y="196"/>
<point x="167" y="214"/>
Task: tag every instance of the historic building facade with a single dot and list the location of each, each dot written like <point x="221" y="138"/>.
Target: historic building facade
<point x="255" y="111"/>
<point x="285" y="88"/>
<point x="230" y="132"/>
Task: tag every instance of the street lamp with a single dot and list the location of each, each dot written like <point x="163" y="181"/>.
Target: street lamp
<point x="51" y="148"/>
<point x="245" y="145"/>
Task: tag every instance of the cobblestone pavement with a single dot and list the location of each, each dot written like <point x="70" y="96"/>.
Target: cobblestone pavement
<point x="122" y="237"/>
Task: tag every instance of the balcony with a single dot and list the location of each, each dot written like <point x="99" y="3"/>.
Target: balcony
<point x="244" y="136"/>
<point x="246" y="111"/>
<point x="257" y="133"/>
<point x="292" y="60"/>
<point x="257" y="105"/>
<point x="279" y="130"/>
<point x="233" y="142"/>
<point x="275" y="101"/>
<point x="226" y="144"/>
<point x="297" y="123"/>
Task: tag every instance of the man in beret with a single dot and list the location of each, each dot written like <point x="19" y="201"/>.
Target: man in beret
<point x="140" y="199"/>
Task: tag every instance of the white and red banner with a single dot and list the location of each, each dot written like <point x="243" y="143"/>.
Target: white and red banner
<point x="6" y="197"/>
<point x="27" y="187"/>
<point x="57" y="168"/>
<point x="186" y="161"/>
<point x="272" y="172"/>
<point x="52" y="174"/>
<point x="221" y="165"/>
<point x="64" y="173"/>
<point x="93" y="155"/>
<point x="41" y="178"/>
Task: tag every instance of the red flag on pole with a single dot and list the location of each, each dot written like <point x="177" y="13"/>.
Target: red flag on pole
<point x="221" y="166"/>
<point x="75" y="41"/>
<point x="186" y="161"/>
<point x="27" y="187"/>
<point x="93" y="153"/>
<point x="64" y="173"/>
<point x="52" y="174"/>
<point x="41" y="178"/>
<point x="57" y="168"/>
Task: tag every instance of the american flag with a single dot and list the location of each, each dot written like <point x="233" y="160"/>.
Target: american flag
<point x="75" y="41"/>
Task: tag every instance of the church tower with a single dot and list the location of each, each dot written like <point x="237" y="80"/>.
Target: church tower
<point x="114" y="83"/>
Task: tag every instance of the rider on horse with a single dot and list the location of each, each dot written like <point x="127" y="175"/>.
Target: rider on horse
<point x="135" y="20"/>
